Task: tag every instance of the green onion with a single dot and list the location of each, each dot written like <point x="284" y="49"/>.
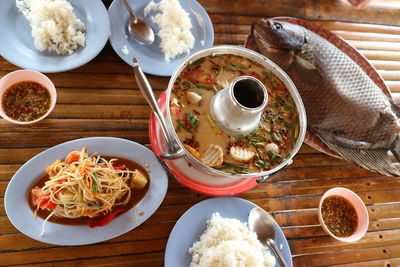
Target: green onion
<point x="202" y="86"/>
<point x="260" y="163"/>
<point x="276" y="137"/>
<point x="222" y="167"/>
<point x="193" y="120"/>
<point x="235" y="165"/>
<point x="218" y="73"/>
<point x="288" y="107"/>
<point x="186" y="84"/>
<point x="181" y="124"/>
<point x="196" y="63"/>
<point x="94" y="185"/>
<point x="267" y="74"/>
<point x="228" y="68"/>
<point x="239" y="66"/>
<point x="242" y="172"/>
<point x="272" y="155"/>
<point x="296" y="130"/>
<point x="215" y="89"/>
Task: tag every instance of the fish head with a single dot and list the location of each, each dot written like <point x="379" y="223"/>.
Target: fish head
<point x="279" y="34"/>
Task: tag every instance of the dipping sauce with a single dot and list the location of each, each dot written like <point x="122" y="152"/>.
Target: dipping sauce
<point x="26" y="101"/>
<point x="339" y="216"/>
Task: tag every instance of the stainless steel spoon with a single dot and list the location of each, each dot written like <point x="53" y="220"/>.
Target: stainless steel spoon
<point x="174" y="151"/>
<point x="263" y="224"/>
<point x="139" y="29"/>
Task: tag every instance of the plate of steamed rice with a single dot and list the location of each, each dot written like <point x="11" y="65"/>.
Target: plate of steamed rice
<point x="52" y="35"/>
<point x="181" y="28"/>
<point x="214" y="233"/>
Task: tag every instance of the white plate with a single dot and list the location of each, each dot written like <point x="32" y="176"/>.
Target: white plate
<point x="17" y="44"/>
<point x="150" y="57"/>
<point x="192" y="224"/>
<point x="22" y="217"/>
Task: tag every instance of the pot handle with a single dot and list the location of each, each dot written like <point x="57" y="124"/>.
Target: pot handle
<point x="174" y="151"/>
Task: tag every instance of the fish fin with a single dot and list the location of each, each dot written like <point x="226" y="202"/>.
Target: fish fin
<point x="282" y="57"/>
<point x="395" y="148"/>
<point x="377" y="160"/>
<point x="251" y="43"/>
<point x="395" y="107"/>
<point x="306" y="69"/>
<point x="306" y="54"/>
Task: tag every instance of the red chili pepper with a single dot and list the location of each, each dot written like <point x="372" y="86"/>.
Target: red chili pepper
<point x="281" y="88"/>
<point x="45" y="203"/>
<point x="119" y="168"/>
<point x="104" y="220"/>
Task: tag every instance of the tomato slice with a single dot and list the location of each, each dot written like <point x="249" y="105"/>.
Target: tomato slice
<point x="194" y="75"/>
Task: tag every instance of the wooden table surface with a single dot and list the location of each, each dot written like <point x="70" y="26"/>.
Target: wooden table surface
<point x="101" y="98"/>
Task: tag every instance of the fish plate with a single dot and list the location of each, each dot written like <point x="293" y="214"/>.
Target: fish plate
<point x="310" y="138"/>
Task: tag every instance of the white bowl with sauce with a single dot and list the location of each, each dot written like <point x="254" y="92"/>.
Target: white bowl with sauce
<point x="360" y="210"/>
<point x="15" y="77"/>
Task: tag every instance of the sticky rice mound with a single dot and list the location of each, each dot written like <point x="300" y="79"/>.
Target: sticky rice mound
<point x="54" y="25"/>
<point x="229" y="242"/>
<point x="175" y="25"/>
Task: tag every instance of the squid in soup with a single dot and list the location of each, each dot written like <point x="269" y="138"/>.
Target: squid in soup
<point x="262" y="149"/>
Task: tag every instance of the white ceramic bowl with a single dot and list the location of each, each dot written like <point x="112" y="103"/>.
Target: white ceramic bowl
<point x="27" y="75"/>
<point x="358" y="204"/>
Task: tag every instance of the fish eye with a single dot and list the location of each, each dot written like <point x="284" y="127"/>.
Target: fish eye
<point x="277" y="26"/>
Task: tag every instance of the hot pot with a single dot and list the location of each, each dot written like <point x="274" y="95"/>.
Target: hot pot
<point x="176" y="150"/>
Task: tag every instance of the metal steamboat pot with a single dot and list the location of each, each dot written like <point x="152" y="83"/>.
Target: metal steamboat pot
<point x="177" y="150"/>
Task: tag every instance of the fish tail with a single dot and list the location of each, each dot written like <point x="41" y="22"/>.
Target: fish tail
<point x="377" y="160"/>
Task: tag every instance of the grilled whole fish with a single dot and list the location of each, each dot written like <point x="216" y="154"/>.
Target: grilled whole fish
<point x="344" y="107"/>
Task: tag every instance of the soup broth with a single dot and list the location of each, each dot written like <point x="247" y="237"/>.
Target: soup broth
<point x="265" y="147"/>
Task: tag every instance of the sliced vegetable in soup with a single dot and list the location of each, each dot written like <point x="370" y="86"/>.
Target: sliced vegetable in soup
<point x="262" y="149"/>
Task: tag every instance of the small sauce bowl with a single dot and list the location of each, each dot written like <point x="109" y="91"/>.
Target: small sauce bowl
<point x="359" y="206"/>
<point x="26" y="75"/>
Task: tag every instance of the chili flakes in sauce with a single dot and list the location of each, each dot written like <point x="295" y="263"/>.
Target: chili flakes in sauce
<point x="26" y="101"/>
<point x="339" y="216"/>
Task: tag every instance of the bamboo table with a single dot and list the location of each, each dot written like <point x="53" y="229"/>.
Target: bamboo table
<point x="102" y="99"/>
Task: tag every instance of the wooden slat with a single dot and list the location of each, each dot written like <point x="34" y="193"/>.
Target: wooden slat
<point x="375" y="45"/>
<point x="361" y="36"/>
<point x="74" y="253"/>
<point x="148" y="259"/>
<point x="349" y="256"/>
<point x="386" y="64"/>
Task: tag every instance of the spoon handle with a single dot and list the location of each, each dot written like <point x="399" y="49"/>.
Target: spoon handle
<point x="173" y="150"/>
<point x="130" y="10"/>
<point x="272" y="245"/>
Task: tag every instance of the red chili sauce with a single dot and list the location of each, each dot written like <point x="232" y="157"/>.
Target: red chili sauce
<point x="339" y="216"/>
<point x="26" y="101"/>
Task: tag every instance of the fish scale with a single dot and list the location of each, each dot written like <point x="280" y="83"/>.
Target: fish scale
<point x="344" y="107"/>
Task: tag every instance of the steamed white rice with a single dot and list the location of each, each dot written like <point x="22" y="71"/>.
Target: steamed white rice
<point x="54" y="25"/>
<point x="229" y="243"/>
<point x="175" y="24"/>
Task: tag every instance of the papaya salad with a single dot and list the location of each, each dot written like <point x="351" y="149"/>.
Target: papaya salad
<point x="88" y="187"/>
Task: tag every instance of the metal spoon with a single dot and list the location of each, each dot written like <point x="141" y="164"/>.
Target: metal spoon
<point x="174" y="151"/>
<point x="139" y="29"/>
<point x="263" y="224"/>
